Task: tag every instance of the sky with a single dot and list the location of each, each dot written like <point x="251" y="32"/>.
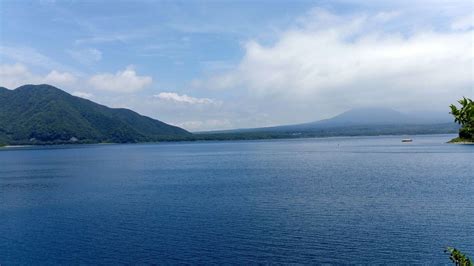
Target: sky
<point x="210" y="65"/>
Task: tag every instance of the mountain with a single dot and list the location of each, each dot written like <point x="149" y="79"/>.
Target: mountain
<point x="355" y="122"/>
<point x="43" y="114"/>
<point x="369" y="116"/>
<point x="375" y="116"/>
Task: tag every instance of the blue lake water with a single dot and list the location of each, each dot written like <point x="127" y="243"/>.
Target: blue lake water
<point x="333" y="200"/>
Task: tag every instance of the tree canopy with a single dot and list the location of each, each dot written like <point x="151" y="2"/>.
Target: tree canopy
<point x="465" y="117"/>
<point x="458" y="258"/>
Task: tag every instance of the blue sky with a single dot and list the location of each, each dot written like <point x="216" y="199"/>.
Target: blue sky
<point x="175" y="41"/>
<point x="229" y="64"/>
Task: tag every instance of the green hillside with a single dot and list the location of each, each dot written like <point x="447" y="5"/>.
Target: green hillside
<point x="43" y="114"/>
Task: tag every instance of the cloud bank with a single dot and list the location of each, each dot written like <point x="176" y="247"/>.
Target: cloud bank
<point x="349" y="61"/>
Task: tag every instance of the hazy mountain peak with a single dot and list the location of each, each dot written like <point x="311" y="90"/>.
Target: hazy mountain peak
<point x="370" y="115"/>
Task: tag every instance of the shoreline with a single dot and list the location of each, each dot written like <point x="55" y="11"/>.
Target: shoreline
<point x="461" y="142"/>
<point x="458" y="140"/>
<point x="222" y="140"/>
<point x="17" y="146"/>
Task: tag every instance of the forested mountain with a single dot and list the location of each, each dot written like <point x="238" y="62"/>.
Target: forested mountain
<point x="43" y="114"/>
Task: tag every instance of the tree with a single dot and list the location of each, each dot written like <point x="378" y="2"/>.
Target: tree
<point x="465" y="117"/>
<point x="457" y="257"/>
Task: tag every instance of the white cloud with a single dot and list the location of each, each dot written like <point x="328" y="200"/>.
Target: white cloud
<point x="12" y="76"/>
<point x="82" y="94"/>
<point x="202" y="125"/>
<point x="58" y="78"/>
<point x="15" y="75"/>
<point x="125" y="81"/>
<point x="386" y="16"/>
<point x="86" y="56"/>
<point x="329" y="61"/>
<point x="108" y="38"/>
<point x="172" y="96"/>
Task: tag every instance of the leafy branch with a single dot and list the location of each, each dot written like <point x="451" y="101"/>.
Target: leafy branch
<point x="457" y="257"/>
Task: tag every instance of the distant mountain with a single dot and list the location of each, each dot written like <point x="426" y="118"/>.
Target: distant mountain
<point x="368" y="116"/>
<point x="43" y="114"/>
<point x="355" y="122"/>
<point x="373" y="116"/>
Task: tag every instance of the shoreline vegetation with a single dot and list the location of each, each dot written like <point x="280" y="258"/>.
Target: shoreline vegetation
<point x="457" y="257"/>
<point x="459" y="140"/>
<point x="335" y="131"/>
<point x="223" y="139"/>
<point x="464" y="116"/>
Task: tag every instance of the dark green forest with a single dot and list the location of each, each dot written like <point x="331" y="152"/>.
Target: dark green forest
<point x="43" y="114"/>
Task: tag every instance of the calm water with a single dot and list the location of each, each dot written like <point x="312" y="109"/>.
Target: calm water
<point x="337" y="200"/>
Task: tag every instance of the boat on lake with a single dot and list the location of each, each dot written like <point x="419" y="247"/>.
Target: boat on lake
<point x="407" y="140"/>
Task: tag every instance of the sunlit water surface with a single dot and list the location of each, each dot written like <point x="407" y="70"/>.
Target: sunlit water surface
<point x="334" y="200"/>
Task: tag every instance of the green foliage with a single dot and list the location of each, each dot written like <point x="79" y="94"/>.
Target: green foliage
<point x="42" y="114"/>
<point x="457" y="257"/>
<point x="465" y="117"/>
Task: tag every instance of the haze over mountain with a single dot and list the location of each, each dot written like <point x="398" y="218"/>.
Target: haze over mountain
<point x="42" y="114"/>
<point x="370" y="117"/>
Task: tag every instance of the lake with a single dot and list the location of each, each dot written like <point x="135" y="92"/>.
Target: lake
<point x="327" y="200"/>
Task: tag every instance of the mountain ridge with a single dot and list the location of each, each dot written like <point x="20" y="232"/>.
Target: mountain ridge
<point x="357" y="117"/>
<point x="370" y="115"/>
<point x="43" y="114"/>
